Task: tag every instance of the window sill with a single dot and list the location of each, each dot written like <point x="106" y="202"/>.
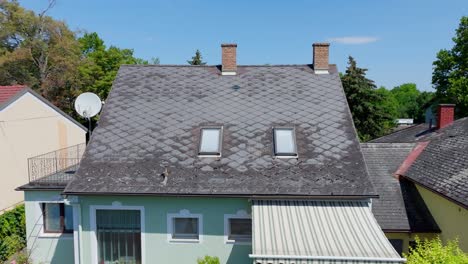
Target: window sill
<point x="184" y="241"/>
<point x="286" y="157"/>
<point x="234" y="242"/>
<point x="56" y="235"/>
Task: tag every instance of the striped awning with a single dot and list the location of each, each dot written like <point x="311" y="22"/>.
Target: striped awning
<point x="306" y="232"/>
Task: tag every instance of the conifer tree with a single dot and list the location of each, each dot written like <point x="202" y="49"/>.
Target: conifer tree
<point x="197" y="59"/>
<point x="367" y="105"/>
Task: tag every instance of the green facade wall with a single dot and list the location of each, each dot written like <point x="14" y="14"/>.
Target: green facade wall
<point x="45" y="248"/>
<point x="157" y="247"/>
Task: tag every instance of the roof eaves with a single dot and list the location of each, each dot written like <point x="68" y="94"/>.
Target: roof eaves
<point x="425" y="186"/>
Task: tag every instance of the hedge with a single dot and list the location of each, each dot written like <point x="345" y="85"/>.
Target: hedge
<point x="12" y="232"/>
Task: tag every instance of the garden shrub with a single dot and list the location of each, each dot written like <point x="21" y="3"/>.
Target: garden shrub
<point x="208" y="260"/>
<point x="434" y="252"/>
<point x="12" y="232"/>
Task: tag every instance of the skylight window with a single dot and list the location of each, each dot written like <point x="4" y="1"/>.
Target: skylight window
<point x="285" y="142"/>
<point x="210" y="141"/>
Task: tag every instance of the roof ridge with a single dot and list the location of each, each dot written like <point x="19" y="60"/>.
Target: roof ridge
<point x="214" y="65"/>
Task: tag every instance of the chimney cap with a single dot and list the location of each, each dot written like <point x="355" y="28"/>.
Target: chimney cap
<point x="229" y="45"/>
<point x="449" y="105"/>
<point x="326" y="44"/>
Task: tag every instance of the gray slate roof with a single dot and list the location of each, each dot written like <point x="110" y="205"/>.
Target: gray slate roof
<point x="151" y="122"/>
<point x="411" y="134"/>
<point x="443" y="165"/>
<point x="400" y="208"/>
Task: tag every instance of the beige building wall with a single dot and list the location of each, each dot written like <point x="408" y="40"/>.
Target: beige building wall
<point x="409" y="237"/>
<point x="451" y="218"/>
<point x="29" y="127"/>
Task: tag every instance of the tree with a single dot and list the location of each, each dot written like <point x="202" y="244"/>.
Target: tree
<point x="197" y="59"/>
<point x="389" y="105"/>
<point x="433" y="251"/>
<point x="366" y="104"/>
<point x="406" y="96"/>
<point x="38" y="51"/>
<point x="450" y="73"/>
<point x="101" y="64"/>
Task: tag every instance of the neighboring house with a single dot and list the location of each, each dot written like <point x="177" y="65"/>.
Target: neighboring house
<point x="253" y="164"/>
<point x="436" y="163"/>
<point x="29" y="126"/>
<point x="400" y="209"/>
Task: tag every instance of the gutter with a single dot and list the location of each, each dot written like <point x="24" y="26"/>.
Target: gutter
<point x="251" y="196"/>
<point x="333" y="258"/>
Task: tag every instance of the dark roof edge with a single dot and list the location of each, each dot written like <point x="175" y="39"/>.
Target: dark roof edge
<point x="42" y="99"/>
<point x="410" y="231"/>
<point x="396" y="132"/>
<point x="28" y="187"/>
<point x="350" y="116"/>
<point x="217" y="65"/>
<point x="252" y="196"/>
<point x="465" y="206"/>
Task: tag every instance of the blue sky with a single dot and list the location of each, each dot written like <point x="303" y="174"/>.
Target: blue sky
<point x="397" y="40"/>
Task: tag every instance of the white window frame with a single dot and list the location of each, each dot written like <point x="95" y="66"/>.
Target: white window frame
<point x="115" y="206"/>
<point x="241" y="214"/>
<point x="206" y="154"/>
<point x="285" y="155"/>
<point x="40" y="222"/>
<point x="184" y="213"/>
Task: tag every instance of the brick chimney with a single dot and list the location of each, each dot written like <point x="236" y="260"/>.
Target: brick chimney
<point x="320" y="54"/>
<point x="229" y="66"/>
<point x="445" y="115"/>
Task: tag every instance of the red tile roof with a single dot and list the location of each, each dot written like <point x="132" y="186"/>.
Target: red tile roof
<point x="7" y="92"/>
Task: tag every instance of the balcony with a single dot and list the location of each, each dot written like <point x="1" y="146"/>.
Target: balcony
<point x="55" y="168"/>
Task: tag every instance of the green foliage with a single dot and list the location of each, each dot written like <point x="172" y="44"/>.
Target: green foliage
<point x="197" y="59"/>
<point x="100" y="64"/>
<point x="46" y="55"/>
<point x="410" y="102"/>
<point x="208" y="260"/>
<point x="22" y="257"/>
<point x="12" y="232"/>
<point x="366" y="103"/>
<point x="450" y="74"/>
<point x="434" y="252"/>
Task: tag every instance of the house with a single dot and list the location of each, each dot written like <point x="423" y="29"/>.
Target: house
<point x="29" y="126"/>
<point x="249" y="163"/>
<point x="432" y="161"/>
<point x="400" y="210"/>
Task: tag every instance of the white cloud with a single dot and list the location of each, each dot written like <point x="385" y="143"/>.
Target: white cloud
<point x="354" y="40"/>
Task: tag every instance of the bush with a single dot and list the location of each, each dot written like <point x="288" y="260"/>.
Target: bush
<point x="434" y="252"/>
<point x="208" y="260"/>
<point x="12" y="232"/>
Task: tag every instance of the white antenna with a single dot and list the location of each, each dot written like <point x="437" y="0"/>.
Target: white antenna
<point x="88" y="105"/>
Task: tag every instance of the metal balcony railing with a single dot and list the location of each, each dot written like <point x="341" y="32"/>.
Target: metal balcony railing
<point x="56" y="167"/>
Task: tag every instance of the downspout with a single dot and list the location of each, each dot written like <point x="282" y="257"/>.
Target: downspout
<point x="77" y="228"/>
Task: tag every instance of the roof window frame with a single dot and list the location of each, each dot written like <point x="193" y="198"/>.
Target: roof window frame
<point x="220" y="143"/>
<point x="285" y="155"/>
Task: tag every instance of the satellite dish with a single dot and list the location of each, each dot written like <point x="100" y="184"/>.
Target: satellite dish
<point x="88" y="105"/>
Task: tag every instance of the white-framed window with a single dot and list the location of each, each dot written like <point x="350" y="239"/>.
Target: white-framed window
<point x="184" y="227"/>
<point x="238" y="228"/>
<point x="284" y="139"/>
<point x="210" y="141"/>
<point x="57" y="218"/>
